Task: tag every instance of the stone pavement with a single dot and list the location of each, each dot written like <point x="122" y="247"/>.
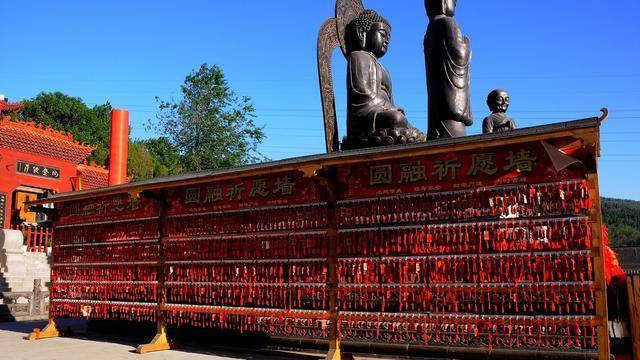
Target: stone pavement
<point x="98" y="347"/>
<point x="83" y="346"/>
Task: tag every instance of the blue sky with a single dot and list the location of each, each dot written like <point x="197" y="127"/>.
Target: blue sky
<point x="560" y="60"/>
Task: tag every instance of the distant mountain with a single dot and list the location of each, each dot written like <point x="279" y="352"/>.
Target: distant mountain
<point x="622" y="217"/>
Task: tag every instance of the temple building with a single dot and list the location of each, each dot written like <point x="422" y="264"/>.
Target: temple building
<point x="36" y="161"/>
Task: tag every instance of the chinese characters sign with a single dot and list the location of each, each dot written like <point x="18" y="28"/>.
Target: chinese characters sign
<point x="526" y="162"/>
<point x="109" y="208"/>
<point x="241" y="193"/>
<point x="277" y="189"/>
<point x="38" y="170"/>
<point x="450" y="168"/>
<point x="3" y="211"/>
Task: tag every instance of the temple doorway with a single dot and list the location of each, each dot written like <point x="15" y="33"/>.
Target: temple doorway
<point x="20" y="213"/>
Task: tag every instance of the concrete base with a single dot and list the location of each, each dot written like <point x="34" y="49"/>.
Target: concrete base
<point x="11" y="255"/>
<point x="19" y="269"/>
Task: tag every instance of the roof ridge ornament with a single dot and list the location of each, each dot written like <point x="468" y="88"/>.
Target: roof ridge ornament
<point x="605" y="114"/>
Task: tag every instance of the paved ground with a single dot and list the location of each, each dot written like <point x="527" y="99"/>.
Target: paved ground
<point x="98" y="346"/>
<point x="101" y="347"/>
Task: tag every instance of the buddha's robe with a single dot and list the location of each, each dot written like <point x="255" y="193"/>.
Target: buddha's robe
<point x="369" y="92"/>
<point x="448" y="61"/>
<point x="497" y="122"/>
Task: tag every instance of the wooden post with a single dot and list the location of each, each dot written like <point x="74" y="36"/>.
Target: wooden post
<point x="51" y="330"/>
<point x="335" y="352"/>
<point x="597" y="252"/>
<point x="633" y="293"/>
<point x="39" y="236"/>
<point x="49" y="239"/>
<point x="160" y="341"/>
<point x="42" y="245"/>
<point x="327" y="181"/>
<point x="29" y="239"/>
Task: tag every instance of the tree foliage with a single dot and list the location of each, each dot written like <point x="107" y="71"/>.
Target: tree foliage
<point x="622" y="217"/>
<point x="140" y="163"/>
<point x="165" y="157"/>
<point x="89" y="126"/>
<point x="210" y="125"/>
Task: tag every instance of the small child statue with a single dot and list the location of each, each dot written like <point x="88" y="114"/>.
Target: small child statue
<point x="498" y="121"/>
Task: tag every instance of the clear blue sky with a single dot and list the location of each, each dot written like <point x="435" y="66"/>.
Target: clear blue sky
<point x="560" y="59"/>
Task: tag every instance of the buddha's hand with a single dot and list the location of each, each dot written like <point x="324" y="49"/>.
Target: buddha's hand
<point x="467" y="121"/>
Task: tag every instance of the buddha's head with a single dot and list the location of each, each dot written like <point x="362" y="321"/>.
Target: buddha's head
<point x="498" y="101"/>
<point x="369" y="32"/>
<point x="440" y="7"/>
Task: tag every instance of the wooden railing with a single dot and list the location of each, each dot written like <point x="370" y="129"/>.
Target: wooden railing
<point x="37" y="238"/>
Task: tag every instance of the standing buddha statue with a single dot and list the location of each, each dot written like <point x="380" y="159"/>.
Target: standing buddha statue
<point x="448" y="61"/>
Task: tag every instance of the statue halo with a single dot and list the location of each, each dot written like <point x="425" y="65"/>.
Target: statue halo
<point x="346" y="11"/>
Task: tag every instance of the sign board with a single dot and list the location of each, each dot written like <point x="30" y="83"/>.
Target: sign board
<point x="3" y="206"/>
<point x="28" y="168"/>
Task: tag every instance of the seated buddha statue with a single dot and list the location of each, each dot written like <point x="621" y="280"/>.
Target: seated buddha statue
<point x="372" y="117"/>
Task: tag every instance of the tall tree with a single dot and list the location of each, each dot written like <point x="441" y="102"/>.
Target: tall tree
<point x="140" y="162"/>
<point x="210" y="125"/>
<point x="166" y="158"/>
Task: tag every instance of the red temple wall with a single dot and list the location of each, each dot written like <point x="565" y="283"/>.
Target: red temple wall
<point x="10" y="179"/>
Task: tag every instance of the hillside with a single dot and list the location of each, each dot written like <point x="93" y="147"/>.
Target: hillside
<point x="622" y="217"/>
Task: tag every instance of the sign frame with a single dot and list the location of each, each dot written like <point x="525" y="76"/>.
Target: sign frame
<point x="3" y="209"/>
<point x="29" y="168"/>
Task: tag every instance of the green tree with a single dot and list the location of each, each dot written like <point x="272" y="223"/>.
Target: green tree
<point x="166" y="158"/>
<point x="140" y="162"/>
<point x="210" y="125"/>
<point x="622" y="217"/>
<point x="89" y="126"/>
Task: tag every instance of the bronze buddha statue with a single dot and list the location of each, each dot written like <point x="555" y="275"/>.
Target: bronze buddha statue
<point x="498" y="102"/>
<point x="372" y="117"/>
<point x="448" y="62"/>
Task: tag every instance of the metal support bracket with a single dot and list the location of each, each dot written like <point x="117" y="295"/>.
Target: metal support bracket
<point x="160" y="342"/>
<point x="49" y="331"/>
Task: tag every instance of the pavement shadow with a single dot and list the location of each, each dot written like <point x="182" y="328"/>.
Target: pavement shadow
<point x="25" y="327"/>
<point x="247" y="354"/>
<point x="241" y="347"/>
<point x="192" y="341"/>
